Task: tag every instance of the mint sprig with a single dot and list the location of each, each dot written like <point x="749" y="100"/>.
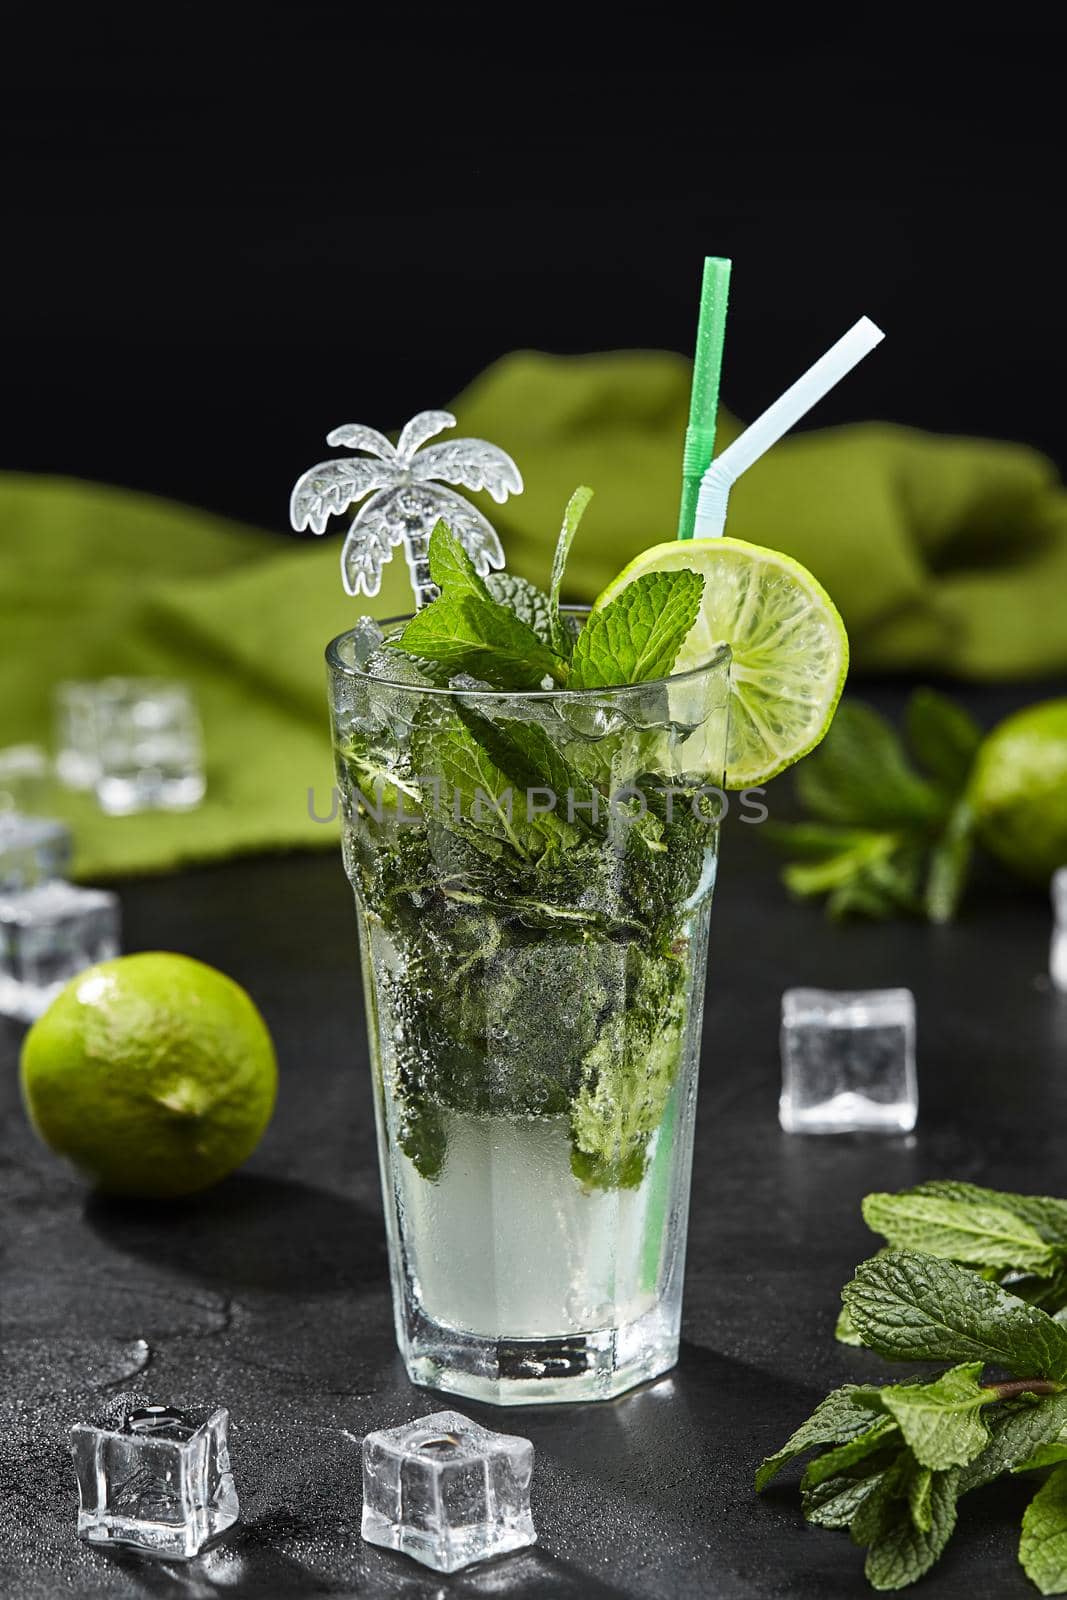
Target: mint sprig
<point x="891" y="831"/>
<point x="484" y="640"/>
<point x="893" y="1459"/>
<point x="508" y="634"/>
<point x="466" y="631"/>
<point x="636" y="637"/>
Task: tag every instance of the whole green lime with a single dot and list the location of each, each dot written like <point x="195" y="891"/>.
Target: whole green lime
<point x="154" y="1074"/>
<point x="1019" y="790"/>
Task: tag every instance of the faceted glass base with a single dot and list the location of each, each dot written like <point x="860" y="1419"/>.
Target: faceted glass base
<point x="524" y="1372"/>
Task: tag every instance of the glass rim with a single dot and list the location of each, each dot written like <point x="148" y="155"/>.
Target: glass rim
<point x="721" y="654"/>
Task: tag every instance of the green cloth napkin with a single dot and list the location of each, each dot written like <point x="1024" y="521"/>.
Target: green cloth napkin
<point x="946" y="556"/>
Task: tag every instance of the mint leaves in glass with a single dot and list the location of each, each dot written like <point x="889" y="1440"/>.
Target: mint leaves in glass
<point x="533" y="858"/>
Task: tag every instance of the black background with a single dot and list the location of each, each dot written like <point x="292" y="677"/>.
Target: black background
<point x="230" y="229"/>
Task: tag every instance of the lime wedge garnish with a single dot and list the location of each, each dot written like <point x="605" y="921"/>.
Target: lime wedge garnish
<point x="789" y="646"/>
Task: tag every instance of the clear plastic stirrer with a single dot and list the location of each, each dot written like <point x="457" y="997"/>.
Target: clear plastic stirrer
<point x="402" y="487"/>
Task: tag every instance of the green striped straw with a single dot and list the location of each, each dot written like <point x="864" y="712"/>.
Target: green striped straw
<point x="704" y="399"/>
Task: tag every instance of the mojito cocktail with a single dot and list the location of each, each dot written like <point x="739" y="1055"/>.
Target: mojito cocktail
<point x="533" y="875"/>
<point x="530" y="819"/>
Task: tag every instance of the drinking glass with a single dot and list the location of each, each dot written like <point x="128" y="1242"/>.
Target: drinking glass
<point x="533" y="876"/>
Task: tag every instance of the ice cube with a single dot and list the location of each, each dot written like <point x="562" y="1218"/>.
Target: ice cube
<point x="393" y="666"/>
<point x="32" y="850"/>
<point x="366" y="638"/>
<point x="1058" y="952"/>
<point x="446" y="1491"/>
<point x="149" y="746"/>
<point x="155" y="1478"/>
<point x="24" y="776"/>
<point x="48" y="934"/>
<point x="77" y="755"/>
<point x="848" y="1061"/>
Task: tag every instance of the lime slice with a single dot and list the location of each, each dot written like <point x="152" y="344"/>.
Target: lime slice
<point x="789" y="646"/>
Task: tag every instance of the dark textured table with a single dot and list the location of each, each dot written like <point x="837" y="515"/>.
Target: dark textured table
<point x="271" y="1294"/>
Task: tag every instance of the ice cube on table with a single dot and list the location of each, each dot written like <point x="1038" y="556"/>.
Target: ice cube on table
<point x="32" y="850"/>
<point x="24" y="774"/>
<point x="48" y="934"/>
<point x="156" y="1478"/>
<point x="1058" y="952"/>
<point x="848" y="1061"/>
<point x="77" y="756"/>
<point x="149" y="747"/>
<point x="446" y="1491"/>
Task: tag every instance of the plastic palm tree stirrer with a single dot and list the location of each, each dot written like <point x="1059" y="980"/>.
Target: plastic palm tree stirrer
<point x="704" y="395"/>
<point x="407" y="496"/>
<point x="819" y="379"/>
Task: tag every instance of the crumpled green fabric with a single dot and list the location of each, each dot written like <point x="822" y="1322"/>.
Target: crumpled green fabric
<point x="947" y="556"/>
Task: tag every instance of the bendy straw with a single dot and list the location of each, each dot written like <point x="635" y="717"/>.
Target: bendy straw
<point x="819" y="379"/>
<point x="704" y="396"/>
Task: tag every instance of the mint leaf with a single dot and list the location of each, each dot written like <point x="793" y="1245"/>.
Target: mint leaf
<point x="572" y="516"/>
<point x="628" y="1074"/>
<point x="1046" y="1455"/>
<point x="1016" y="1433"/>
<point x="860" y="776"/>
<point x="844" y="1332"/>
<point x="920" y="1499"/>
<point x="526" y="600"/>
<point x="972" y="1228"/>
<point x="637" y="636"/>
<point x="913" y="1307"/>
<point x="834" y="1500"/>
<point x="525" y="754"/>
<point x="940" y="1420"/>
<point x="1046" y="1214"/>
<point x="950" y="862"/>
<point x="944" y="737"/>
<point x="835" y="1420"/>
<point x="880" y="1509"/>
<point x="482" y="639"/>
<point x="816" y="841"/>
<point x="1043" y="1546"/>
<point x="463" y="784"/>
<point x="902" y="1552"/>
<point x="835" y="1461"/>
<point x="452" y="569"/>
<point x="870" y="863"/>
